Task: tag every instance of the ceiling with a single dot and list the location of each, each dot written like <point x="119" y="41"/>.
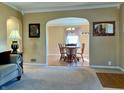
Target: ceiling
<point x="30" y="7"/>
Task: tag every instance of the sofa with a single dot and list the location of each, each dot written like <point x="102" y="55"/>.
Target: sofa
<point x="9" y="67"/>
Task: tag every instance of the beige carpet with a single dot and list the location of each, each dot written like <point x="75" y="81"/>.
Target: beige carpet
<point x="56" y="78"/>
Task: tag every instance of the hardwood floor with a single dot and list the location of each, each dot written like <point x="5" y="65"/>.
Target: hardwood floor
<point x="53" y="60"/>
<point x="112" y="80"/>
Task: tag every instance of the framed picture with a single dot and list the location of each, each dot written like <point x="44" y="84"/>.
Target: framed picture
<point x="106" y="28"/>
<point x="34" y="30"/>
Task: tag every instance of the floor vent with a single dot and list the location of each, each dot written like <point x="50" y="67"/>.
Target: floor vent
<point x="33" y="60"/>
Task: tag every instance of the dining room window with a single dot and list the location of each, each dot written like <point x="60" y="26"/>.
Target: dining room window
<point x="72" y="38"/>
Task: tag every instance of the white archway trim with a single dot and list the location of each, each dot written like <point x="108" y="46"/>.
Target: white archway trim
<point x="67" y="19"/>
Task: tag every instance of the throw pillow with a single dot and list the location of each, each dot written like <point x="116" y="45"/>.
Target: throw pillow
<point x="5" y="57"/>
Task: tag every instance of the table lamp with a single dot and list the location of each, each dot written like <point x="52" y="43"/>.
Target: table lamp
<point x="15" y="37"/>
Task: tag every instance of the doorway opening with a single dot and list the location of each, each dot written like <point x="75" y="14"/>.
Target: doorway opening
<point x="56" y="32"/>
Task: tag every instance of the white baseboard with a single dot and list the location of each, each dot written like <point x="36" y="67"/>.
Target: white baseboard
<point x="35" y="64"/>
<point x="53" y="54"/>
<point x="99" y="66"/>
<point x="122" y="69"/>
<point x="111" y="67"/>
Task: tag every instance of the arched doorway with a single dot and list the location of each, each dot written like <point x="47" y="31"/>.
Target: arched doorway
<point x="14" y="24"/>
<point x="55" y="33"/>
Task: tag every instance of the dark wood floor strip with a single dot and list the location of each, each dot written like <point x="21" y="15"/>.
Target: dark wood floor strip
<point x="111" y="80"/>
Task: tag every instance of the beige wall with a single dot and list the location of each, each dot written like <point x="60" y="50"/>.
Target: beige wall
<point x="122" y="36"/>
<point x="6" y="13"/>
<point x="84" y="38"/>
<point x="102" y="49"/>
<point x="56" y="34"/>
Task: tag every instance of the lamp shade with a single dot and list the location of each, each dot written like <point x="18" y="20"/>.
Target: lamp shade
<point x="14" y="35"/>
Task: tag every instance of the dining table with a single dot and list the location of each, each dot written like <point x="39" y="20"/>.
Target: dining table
<point x="71" y="52"/>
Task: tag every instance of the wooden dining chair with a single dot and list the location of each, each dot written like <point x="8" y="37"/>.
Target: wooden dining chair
<point x="81" y="53"/>
<point x="62" y="52"/>
<point x="71" y="55"/>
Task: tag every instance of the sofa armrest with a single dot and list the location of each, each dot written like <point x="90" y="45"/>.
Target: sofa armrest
<point x="16" y="59"/>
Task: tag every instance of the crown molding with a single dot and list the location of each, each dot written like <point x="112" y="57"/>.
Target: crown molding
<point x="95" y="6"/>
<point x="75" y="8"/>
<point x="19" y="10"/>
